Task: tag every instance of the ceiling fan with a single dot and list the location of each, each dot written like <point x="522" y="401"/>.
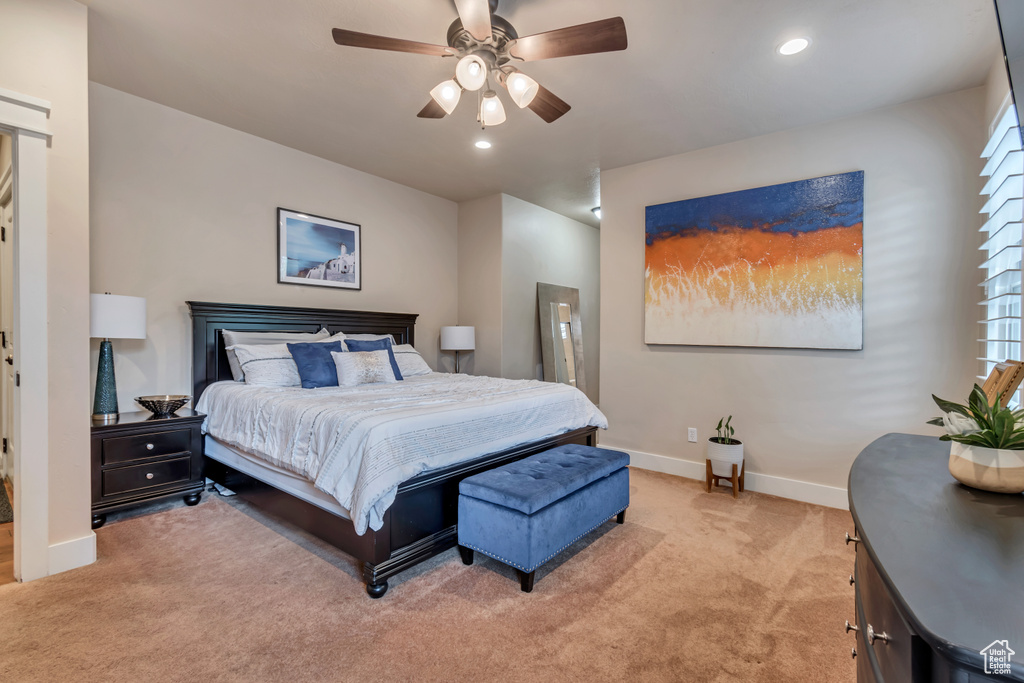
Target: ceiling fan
<point x="487" y="47"/>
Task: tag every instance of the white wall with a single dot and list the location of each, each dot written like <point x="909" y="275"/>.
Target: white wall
<point x="480" y="284"/>
<point x="43" y="50"/>
<point x="538" y="245"/>
<point x="805" y="415"/>
<point x="185" y="209"/>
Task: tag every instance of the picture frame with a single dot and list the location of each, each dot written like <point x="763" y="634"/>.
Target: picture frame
<point x="318" y="251"/>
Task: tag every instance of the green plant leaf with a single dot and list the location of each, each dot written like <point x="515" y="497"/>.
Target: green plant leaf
<point x="950" y="407"/>
<point x="937" y="421"/>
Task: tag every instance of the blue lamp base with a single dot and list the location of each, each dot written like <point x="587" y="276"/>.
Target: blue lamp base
<point x="104" y="407"/>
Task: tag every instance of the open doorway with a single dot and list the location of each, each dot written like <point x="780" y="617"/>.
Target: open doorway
<point x="6" y="351"/>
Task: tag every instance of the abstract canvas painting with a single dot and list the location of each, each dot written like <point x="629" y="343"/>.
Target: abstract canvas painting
<point x="776" y="266"/>
<point x="313" y="250"/>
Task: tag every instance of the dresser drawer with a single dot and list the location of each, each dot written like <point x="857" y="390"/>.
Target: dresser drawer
<point x="895" y="656"/>
<point x="126" y="448"/>
<point x="140" y="477"/>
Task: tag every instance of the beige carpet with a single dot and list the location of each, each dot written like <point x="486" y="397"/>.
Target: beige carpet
<point x="694" y="587"/>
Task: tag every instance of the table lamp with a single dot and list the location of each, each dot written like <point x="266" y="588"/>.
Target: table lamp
<point x="112" y="317"/>
<point x="458" y="338"/>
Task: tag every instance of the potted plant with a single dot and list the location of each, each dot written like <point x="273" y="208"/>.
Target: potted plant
<point x="723" y="450"/>
<point x="987" y="442"/>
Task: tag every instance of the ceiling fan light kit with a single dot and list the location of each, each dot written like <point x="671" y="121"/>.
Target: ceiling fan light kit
<point x="521" y="88"/>
<point x="471" y="72"/>
<point x="486" y="45"/>
<point x="447" y="94"/>
<point x="492" y="111"/>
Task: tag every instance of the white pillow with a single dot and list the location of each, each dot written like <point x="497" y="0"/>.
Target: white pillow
<point x="272" y="365"/>
<point x="410" y="362"/>
<point x="235" y="337"/>
<point x="363" y="367"/>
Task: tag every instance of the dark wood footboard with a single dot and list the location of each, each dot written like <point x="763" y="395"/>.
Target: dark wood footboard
<point x="421" y="523"/>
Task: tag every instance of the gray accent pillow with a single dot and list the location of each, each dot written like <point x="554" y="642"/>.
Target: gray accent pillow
<point x="370" y="337"/>
<point x="235" y="337"/>
<point x="410" y="362"/>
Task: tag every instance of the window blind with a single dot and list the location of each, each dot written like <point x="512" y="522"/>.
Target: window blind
<point x="1002" y="231"/>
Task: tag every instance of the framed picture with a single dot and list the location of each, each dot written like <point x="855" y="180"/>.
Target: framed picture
<point x="313" y="250"/>
<point x="778" y="266"/>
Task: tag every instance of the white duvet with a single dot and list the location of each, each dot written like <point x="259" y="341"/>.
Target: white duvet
<point x="359" y="444"/>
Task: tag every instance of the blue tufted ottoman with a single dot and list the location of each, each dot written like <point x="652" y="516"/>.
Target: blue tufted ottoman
<point x="528" y="511"/>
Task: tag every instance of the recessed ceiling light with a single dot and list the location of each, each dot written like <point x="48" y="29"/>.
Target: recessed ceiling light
<point x="483" y="144"/>
<point x="791" y="47"/>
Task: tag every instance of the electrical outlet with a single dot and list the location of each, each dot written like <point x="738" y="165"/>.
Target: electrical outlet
<point x="691" y="434"/>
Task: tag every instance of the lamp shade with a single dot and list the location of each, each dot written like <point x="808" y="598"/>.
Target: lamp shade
<point x="471" y="72"/>
<point x="521" y="88"/>
<point x="117" y="317"/>
<point x="458" y="338"/>
<point x="447" y="95"/>
<point x="492" y="111"/>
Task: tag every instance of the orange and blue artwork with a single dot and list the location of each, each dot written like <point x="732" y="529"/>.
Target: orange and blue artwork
<point x="777" y="266"/>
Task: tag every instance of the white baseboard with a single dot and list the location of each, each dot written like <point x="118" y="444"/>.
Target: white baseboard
<point x="72" y="554"/>
<point x="807" y="492"/>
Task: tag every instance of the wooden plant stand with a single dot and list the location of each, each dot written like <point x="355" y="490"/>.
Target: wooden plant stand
<point x="736" y="479"/>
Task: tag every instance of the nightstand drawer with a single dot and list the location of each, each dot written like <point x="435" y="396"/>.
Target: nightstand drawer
<point x="140" y="477"/>
<point x="126" y="448"/>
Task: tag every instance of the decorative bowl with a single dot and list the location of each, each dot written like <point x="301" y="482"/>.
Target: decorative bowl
<point x="163" y="405"/>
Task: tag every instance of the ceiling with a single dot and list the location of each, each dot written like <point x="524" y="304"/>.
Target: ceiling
<point x="697" y="73"/>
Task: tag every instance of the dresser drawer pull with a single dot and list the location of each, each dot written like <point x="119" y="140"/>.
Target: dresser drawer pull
<point x="852" y="539"/>
<point x="149" y="475"/>
<point x="851" y="627"/>
<point x="852" y="581"/>
<point x="149" y="446"/>
<point x="872" y="636"/>
<point x="853" y="652"/>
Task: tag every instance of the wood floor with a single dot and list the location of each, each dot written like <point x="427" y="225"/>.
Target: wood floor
<point x="7" y="544"/>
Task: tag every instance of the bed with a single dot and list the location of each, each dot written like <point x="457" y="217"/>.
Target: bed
<point x="421" y="520"/>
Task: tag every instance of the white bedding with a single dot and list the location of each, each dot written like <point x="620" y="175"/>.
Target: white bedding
<point x="358" y="444"/>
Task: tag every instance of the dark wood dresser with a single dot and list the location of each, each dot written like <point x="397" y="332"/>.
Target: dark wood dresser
<point x="142" y="458"/>
<point x="939" y="573"/>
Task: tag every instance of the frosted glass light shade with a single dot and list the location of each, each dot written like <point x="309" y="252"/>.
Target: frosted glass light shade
<point x="492" y="111"/>
<point x="522" y="89"/>
<point x="117" y="317"/>
<point x="458" y="338"/>
<point x="471" y="72"/>
<point x="447" y="95"/>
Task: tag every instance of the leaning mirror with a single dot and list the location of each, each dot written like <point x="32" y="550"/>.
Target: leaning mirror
<point x="561" y="334"/>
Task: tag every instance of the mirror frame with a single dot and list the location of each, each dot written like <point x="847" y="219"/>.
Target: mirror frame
<point x="555" y="294"/>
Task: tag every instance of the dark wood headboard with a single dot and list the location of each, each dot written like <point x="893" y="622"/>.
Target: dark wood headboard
<point x="210" y="361"/>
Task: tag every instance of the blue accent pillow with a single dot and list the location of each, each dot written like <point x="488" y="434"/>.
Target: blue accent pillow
<point x="377" y="345"/>
<point x="316" y="367"/>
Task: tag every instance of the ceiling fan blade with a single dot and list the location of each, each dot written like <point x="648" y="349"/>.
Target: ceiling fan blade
<point x="433" y="110"/>
<point x="354" y="39"/>
<point x="476" y="17"/>
<point x="548" y="105"/>
<point x="607" y="35"/>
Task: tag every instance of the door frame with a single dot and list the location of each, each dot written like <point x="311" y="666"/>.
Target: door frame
<point x="25" y="119"/>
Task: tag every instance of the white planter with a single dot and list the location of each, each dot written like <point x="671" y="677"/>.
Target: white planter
<point x="989" y="469"/>
<point x="724" y="456"/>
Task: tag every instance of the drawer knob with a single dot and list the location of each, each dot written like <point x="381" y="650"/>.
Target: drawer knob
<point x="852" y="539"/>
<point x="149" y="475"/>
<point x="851" y="627"/>
<point x="874" y="635"/>
<point x="853" y="652"/>
<point x="149" y="447"/>
<point x="852" y="580"/>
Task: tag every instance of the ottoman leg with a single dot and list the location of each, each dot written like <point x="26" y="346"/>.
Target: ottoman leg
<point x="467" y="554"/>
<point x="621" y="517"/>
<point x="526" y="580"/>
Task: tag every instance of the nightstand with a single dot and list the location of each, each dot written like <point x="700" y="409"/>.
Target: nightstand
<point x="141" y="458"/>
